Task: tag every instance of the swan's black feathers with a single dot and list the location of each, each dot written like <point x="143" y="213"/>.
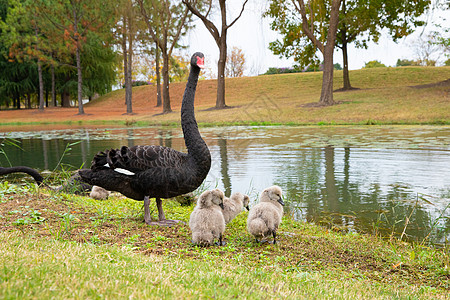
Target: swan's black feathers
<point x="157" y="171"/>
<point x="140" y="158"/>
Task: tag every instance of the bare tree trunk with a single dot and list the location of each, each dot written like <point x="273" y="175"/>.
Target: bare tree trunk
<point x="17" y="101"/>
<point x="220" y="101"/>
<point x="41" y="86"/>
<point x="158" y="78"/>
<point x="166" y="96"/>
<point x="65" y="99"/>
<point x="41" y="80"/>
<point x="28" y="100"/>
<point x="78" y="57"/>
<point x="80" y="84"/>
<point x="347" y="85"/>
<point x="326" y="96"/>
<point x="53" y="85"/>
<point x="125" y="66"/>
<point x="129" y="84"/>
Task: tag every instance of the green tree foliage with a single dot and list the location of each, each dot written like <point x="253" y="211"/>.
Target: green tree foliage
<point x="55" y="45"/>
<point x="21" y="34"/>
<point x="16" y="78"/>
<point x="360" y="21"/>
<point x="68" y="24"/>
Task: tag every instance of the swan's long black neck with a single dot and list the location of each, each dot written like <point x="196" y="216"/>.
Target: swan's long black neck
<point x="197" y="148"/>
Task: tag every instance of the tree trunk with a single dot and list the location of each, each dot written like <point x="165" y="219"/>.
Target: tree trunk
<point x="166" y="95"/>
<point x="344" y="41"/>
<point x="28" y="100"/>
<point x="53" y="86"/>
<point x="347" y="85"/>
<point x="17" y="102"/>
<point x="125" y="65"/>
<point x="78" y="57"/>
<point x="220" y="101"/>
<point x="326" y="96"/>
<point x="129" y="86"/>
<point x="158" y="78"/>
<point x="65" y="99"/>
<point x="80" y="84"/>
<point x="41" y="86"/>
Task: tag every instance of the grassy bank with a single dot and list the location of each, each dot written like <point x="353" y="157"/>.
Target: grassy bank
<point x="65" y="246"/>
<point x="407" y="95"/>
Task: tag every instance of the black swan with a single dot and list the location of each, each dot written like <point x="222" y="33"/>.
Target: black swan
<point x="144" y="172"/>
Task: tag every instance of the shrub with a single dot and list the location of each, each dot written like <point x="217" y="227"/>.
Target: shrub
<point x="374" y="64"/>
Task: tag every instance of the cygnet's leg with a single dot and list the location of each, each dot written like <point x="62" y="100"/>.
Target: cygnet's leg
<point x="274" y="233"/>
<point x="221" y="241"/>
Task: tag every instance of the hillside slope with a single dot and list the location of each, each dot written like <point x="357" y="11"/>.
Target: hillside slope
<point x="385" y="95"/>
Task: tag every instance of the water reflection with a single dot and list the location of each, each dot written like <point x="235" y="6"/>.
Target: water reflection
<point x="369" y="179"/>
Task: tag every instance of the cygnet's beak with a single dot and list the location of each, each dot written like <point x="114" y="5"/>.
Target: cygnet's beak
<point x="247" y="207"/>
<point x="281" y="201"/>
<point x="221" y="205"/>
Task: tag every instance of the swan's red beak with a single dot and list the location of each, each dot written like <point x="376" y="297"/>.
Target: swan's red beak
<point x="201" y="62"/>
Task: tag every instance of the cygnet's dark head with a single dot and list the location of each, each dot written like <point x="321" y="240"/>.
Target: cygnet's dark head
<point x="198" y="60"/>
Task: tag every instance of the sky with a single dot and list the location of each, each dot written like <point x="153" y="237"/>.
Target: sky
<point x="252" y="34"/>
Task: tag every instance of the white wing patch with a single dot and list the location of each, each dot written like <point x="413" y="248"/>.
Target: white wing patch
<point x="122" y="171"/>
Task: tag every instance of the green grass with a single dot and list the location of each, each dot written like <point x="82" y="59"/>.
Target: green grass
<point x="75" y="247"/>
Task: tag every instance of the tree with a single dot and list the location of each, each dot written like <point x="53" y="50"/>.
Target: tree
<point x="219" y="36"/>
<point x="129" y="31"/>
<point x="99" y="65"/>
<point x="314" y="28"/>
<point x="17" y="79"/>
<point x="22" y="35"/>
<point x="167" y="21"/>
<point x="427" y="49"/>
<point x="360" y="21"/>
<point x="235" y="63"/>
<point x="68" y="24"/>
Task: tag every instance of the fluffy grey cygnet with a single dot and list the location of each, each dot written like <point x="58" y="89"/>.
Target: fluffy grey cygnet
<point x="99" y="193"/>
<point x="265" y="217"/>
<point x="233" y="206"/>
<point x="206" y="222"/>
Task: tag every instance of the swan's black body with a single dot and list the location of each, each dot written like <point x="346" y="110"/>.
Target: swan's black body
<point x="157" y="172"/>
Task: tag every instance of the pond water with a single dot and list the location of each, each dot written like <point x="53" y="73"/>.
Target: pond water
<point x="369" y="179"/>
